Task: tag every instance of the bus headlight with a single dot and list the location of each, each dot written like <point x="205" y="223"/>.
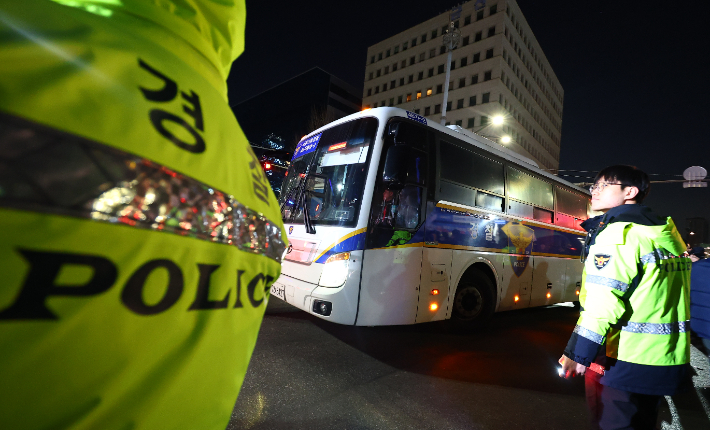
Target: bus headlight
<point x="335" y="270"/>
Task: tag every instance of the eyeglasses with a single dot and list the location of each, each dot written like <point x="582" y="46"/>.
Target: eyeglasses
<point x="600" y="186"/>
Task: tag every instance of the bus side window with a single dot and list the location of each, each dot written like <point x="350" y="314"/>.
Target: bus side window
<point x="542" y="215"/>
<point x="529" y="189"/>
<point x="409" y="208"/>
<point x="412" y="135"/>
<point x="465" y="173"/>
<point x="572" y="208"/>
<point x="401" y="208"/>
<point x="471" y="169"/>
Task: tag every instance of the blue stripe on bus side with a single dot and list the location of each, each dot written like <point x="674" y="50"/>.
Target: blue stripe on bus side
<point x="352" y="243"/>
<point x="447" y="227"/>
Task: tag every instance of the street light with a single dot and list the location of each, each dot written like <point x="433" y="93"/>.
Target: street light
<point x="451" y="41"/>
<point x="495" y="121"/>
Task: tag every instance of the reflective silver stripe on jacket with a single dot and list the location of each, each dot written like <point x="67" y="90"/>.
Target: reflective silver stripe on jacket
<point x="606" y="282"/>
<point x="45" y="170"/>
<point x="656" y="256"/>
<point x="655" y="328"/>
<point x="588" y="334"/>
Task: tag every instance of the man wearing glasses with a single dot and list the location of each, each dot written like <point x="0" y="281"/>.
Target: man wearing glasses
<point x="632" y="340"/>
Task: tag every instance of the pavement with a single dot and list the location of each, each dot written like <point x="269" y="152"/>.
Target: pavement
<point x="307" y="373"/>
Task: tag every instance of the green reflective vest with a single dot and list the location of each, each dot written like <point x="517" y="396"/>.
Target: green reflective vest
<point x="635" y="295"/>
<point x="138" y="233"/>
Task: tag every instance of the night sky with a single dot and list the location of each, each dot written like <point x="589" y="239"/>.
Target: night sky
<point x="636" y="75"/>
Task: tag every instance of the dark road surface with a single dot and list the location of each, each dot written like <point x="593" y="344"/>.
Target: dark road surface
<point x="307" y="373"/>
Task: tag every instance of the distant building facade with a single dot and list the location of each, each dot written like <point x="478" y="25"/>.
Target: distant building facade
<point x="278" y="117"/>
<point x="497" y="69"/>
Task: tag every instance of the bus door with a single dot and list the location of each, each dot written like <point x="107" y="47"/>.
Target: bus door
<point x="550" y="266"/>
<point x="435" y="282"/>
<point x="393" y="259"/>
<point x="517" y="282"/>
<point x="549" y="281"/>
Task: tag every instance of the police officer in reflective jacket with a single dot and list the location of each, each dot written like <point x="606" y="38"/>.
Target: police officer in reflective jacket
<point x="632" y="339"/>
<point x="138" y="232"/>
<point x="700" y="295"/>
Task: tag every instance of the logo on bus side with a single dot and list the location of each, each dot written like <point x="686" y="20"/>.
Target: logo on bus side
<point x="521" y="238"/>
<point x="290" y="230"/>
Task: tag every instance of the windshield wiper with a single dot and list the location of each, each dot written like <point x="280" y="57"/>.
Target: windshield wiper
<point x="302" y="201"/>
<point x="307" y="216"/>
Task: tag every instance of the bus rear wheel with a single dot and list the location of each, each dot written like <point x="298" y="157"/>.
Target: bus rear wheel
<point x="474" y="300"/>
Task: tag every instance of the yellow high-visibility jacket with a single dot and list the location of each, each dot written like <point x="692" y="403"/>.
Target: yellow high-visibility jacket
<point x="138" y="233"/>
<point x="635" y="302"/>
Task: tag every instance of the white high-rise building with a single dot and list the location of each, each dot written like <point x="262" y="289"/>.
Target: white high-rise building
<point x="498" y="68"/>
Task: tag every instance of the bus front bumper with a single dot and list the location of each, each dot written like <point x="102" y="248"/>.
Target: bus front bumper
<point x="338" y="305"/>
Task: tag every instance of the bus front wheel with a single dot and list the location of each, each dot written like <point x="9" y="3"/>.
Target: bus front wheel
<point x="474" y="300"/>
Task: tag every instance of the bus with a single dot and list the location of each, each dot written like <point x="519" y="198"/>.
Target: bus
<point x="394" y="219"/>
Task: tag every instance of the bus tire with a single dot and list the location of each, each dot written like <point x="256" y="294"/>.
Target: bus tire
<point x="474" y="301"/>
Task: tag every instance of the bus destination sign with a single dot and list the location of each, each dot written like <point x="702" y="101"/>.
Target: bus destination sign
<point x="306" y="146"/>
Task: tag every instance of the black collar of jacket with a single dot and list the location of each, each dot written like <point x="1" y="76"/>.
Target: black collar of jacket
<point x="635" y="213"/>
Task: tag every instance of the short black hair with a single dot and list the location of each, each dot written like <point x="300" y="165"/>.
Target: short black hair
<point x="627" y="176"/>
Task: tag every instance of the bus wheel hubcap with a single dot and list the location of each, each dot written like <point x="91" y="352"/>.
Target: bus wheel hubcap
<point x="469" y="302"/>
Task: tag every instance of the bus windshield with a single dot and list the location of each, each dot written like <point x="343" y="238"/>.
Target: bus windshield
<point x="328" y="174"/>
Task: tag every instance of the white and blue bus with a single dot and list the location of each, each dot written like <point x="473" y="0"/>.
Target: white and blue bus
<point x="394" y="219"/>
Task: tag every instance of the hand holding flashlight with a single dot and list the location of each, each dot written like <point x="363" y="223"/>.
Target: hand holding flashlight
<point x="569" y="368"/>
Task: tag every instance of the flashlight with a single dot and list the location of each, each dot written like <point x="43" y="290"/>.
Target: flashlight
<point x="560" y="371"/>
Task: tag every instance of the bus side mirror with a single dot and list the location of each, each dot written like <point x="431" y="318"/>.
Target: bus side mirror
<point x="392" y="132"/>
<point x="395" y="170"/>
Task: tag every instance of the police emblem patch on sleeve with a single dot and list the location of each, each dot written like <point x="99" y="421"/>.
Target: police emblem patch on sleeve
<point x="601" y="260"/>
